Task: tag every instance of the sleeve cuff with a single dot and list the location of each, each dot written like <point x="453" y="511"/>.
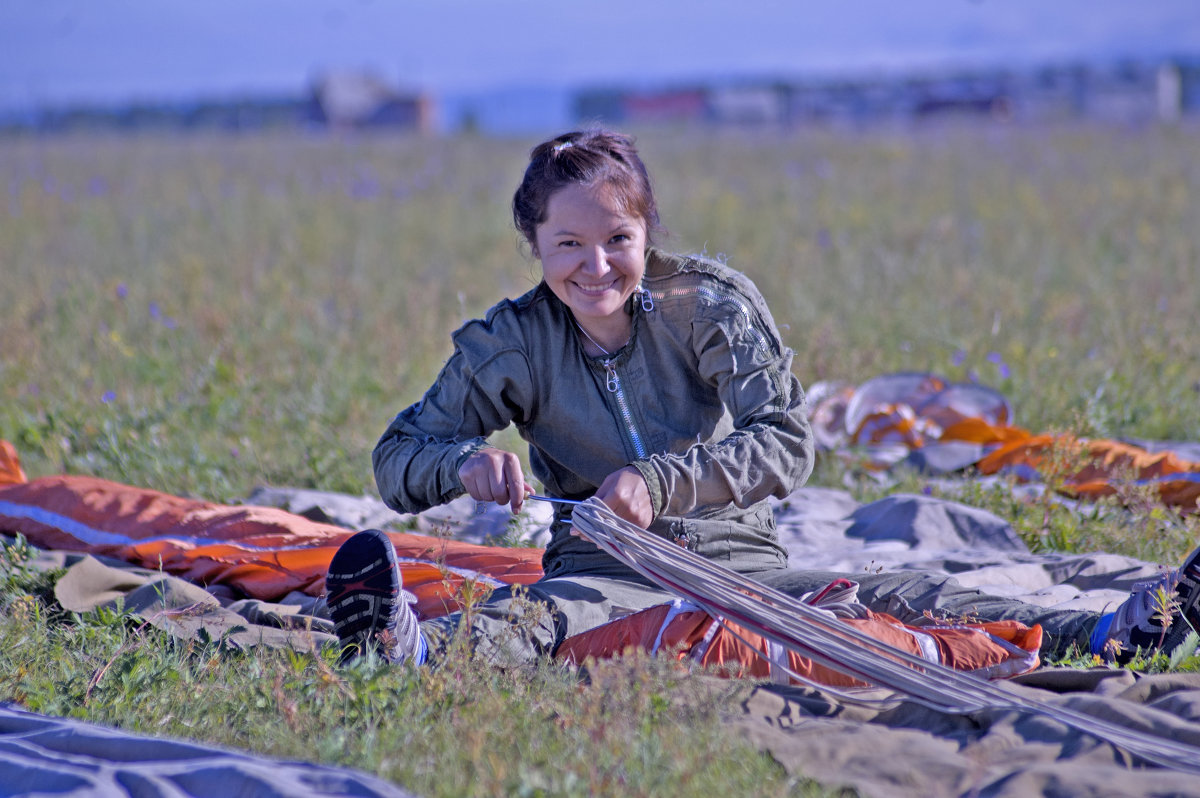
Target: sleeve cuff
<point x="658" y="501"/>
<point x="461" y="453"/>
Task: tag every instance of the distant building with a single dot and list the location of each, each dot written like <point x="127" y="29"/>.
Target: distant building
<point x="1121" y="91"/>
<point x="668" y="106"/>
<point x="747" y="105"/>
<point x="358" y="100"/>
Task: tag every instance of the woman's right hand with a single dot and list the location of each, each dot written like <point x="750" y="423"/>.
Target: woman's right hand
<point x="494" y="475"/>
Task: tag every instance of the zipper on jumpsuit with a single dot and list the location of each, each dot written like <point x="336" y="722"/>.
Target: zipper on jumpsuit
<point x="613" y="383"/>
<point x="614" y="387"/>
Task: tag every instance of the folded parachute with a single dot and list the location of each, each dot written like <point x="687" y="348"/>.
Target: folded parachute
<point x="258" y="552"/>
<point x="939" y="426"/>
<point x="684" y="631"/>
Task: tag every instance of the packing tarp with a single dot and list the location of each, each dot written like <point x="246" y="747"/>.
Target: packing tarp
<point x="902" y="750"/>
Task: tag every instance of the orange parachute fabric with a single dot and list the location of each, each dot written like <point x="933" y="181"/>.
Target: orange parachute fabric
<point x="915" y="411"/>
<point x="262" y="552"/>
<point x="10" y="465"/>
<point x="1095" y="468"/>
<point x="994" y="650"/>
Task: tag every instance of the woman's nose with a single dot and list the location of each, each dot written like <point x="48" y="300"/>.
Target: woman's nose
<point x="595" y="261"/>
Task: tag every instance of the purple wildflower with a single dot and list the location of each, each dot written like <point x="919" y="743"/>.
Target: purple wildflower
<point x="1001" y="367"/>
<point x="122" y="290"/>
<point x="155" y="311"/>
<point x="108" y="397"/>
<point x="959" y="357"/>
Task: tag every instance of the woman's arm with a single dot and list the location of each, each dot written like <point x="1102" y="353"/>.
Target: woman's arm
<point x="484" y="386"/>
<point x="770" y="451"/>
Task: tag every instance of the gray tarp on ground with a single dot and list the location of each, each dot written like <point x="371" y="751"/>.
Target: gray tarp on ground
<point x="910" y="751"/>
<point x="54" y="756"/>
<point x="902" y="751"/>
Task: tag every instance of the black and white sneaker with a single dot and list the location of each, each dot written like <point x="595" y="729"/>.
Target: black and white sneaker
<point x="368" y="603"/>
<point x="1158" y="615"/>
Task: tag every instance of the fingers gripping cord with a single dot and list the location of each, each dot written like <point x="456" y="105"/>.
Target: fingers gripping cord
<point x="811" y="632"/>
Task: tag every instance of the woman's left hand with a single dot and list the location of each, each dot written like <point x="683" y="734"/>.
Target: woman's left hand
<point x="626" y="494"/>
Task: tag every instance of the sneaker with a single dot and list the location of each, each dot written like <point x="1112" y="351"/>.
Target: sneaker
<point x="1158" y="615"/>
<point x="367" y="601"/>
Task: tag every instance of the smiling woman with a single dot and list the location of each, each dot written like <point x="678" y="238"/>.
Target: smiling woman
<point x="657" y="383"/>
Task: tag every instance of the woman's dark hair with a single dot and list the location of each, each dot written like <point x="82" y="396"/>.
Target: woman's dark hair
<point x="590" y="158"/>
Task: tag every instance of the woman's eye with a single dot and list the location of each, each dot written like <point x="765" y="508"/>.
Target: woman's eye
<point x="619" y="238"/>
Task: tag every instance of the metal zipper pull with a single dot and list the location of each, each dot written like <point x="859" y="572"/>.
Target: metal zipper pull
<point x="647" y="300"/>
<point x="614" y="383"/>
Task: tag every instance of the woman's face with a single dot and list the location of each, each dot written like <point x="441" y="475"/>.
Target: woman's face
<point x="593" y="255"/>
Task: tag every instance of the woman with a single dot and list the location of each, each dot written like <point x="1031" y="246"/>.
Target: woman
<point x="656" y="382"/>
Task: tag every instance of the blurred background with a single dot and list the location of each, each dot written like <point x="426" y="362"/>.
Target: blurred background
<point x="531" y="66"/>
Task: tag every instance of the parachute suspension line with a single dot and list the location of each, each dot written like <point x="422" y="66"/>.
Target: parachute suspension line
<point x="733" y="599"/>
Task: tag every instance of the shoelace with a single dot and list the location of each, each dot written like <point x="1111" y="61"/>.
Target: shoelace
<point x="810" y="632"/>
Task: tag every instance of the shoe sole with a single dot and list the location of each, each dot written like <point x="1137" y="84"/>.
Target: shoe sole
<point x="362" y="591"/>
<point x="1188" y="596"/>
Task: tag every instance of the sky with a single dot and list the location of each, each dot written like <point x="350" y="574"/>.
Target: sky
<point x="55" y="52"/>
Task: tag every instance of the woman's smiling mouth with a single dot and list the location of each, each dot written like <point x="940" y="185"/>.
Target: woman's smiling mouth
<point x="594" y="288"/>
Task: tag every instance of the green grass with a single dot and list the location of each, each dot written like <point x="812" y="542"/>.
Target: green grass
<point x="203" y="315"/>
<point x="636" y="729"/>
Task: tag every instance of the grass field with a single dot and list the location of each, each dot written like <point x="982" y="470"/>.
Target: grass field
<point x="205" y="315"/>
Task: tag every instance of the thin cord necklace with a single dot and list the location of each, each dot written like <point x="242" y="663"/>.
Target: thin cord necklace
<point x="593" y="340"/>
